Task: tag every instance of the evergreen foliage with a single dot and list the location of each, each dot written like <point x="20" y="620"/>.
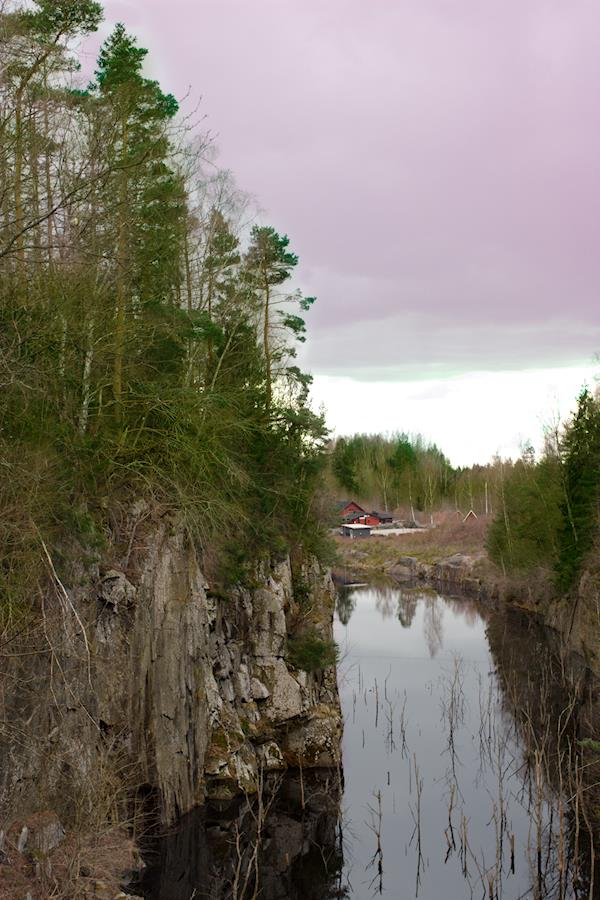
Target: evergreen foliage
<point x="142" y="350"/>
<point x="524" y="534"/>
<point x="580" y="508"/>
<point x="392" y="471"/>
<point x="549" y="512"/>
<point x="311" y="653"/>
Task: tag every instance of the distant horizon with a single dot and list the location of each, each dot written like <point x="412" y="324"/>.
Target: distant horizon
<point x="545" y="402"/>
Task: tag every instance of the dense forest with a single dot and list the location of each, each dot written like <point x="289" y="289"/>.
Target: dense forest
<point x="147" y="329"/>
<point x="391" y="471"/>
<point x="406" y="473"/>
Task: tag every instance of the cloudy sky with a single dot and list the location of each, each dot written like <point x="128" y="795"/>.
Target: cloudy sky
<point x="436" y="164"/>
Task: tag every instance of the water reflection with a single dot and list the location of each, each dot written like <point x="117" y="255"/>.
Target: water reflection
<point x="282" y="844"/>
<point x="346" y="602"/>
<point x="433" y="624"/>
<point x="391" y="601"/>
<point x="407" y="607"/>
<point x="464" y="777"/>
<point x="552" y="699"/>
<point x="470" y="768"/>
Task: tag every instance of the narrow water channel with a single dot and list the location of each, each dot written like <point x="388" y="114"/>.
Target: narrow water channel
<point x="464" y="773"/>
<point x="452" y="723"/>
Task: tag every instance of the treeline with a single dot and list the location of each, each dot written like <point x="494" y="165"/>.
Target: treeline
<point x="146" y="333"/>
<point x="406" y="472"/>
<point x="390" y="471"/>
<point x="544" y="513"/>
<point x="550" y="509"/>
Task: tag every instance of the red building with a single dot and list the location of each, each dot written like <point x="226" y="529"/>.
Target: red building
<point x="348" y="508"/>
<point x="351" y="513"/>
<point x="366" y="519"/>
<point x="383" y="516"/>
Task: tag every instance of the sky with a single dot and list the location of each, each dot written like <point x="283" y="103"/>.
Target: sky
<point x="436" y="166"/>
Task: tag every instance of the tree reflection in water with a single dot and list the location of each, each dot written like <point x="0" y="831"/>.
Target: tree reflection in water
<point x="284" y="844"/>
<point x="480" y="710"/>
<point x="407" y="607"/>
<point x="552" y="699"/>
<point x="391" y="600"/>
<point x="433" y="624"/>
<point x="345" y="603"/>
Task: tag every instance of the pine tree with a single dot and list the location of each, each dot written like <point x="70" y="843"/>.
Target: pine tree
<point x="149" y="197"/>
<point x="580" y="450"/>
<point x="269" y="264"/>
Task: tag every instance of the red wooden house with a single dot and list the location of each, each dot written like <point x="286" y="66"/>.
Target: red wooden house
<point x="366" y="519"/>
<point x="383" y="516"/>
<point x="351" y="513"/>
<point x="348" y="508"/>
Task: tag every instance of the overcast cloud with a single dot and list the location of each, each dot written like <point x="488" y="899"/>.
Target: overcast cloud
<point x="436" y="164"/>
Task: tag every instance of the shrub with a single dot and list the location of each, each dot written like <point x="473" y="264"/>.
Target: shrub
<point x="311" y="653"/>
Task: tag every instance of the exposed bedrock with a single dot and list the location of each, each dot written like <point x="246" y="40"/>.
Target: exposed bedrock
<point x="140" y="680"/>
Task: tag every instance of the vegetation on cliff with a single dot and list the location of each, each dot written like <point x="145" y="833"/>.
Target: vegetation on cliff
<point x="146" y="334"/>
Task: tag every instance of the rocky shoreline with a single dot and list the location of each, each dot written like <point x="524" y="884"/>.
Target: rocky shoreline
<point x="457" y="574"/>
<point x="575" y="618"/>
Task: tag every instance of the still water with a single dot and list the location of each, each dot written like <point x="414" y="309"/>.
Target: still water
<point x="463" y="775"/>
<point x="452" y="788"/>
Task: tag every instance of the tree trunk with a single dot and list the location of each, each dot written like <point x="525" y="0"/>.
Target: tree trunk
<point x="86" y="388"/>
<point x="189" y="377"/>
<point x="120" y="312"/>
<point x="267" y="348"/>
<point x="35" y="186"/>
<point x="19" y="216"/>
<point x="48" y="176"/>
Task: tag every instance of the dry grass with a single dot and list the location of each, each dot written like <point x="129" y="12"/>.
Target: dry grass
<point x="428" y="546"/>
<point x="80" y="867"/>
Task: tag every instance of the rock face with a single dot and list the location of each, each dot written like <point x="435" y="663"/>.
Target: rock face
<point x="577" y="616"/>
<point x="173" y="691"/>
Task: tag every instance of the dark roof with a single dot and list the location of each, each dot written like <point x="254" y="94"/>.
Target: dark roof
<point x="382" y="514"/>
<point x="341" y="504"/>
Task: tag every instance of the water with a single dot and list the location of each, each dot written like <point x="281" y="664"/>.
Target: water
<point x="462" y="773"/>
<point x="212" y="854"/>
<point x="448" y="792"/>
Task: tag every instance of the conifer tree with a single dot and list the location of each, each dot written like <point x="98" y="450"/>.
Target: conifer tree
<point x="269" y="264"/>
<point x="148" y="195"/>
<point x="580" y="450"/>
